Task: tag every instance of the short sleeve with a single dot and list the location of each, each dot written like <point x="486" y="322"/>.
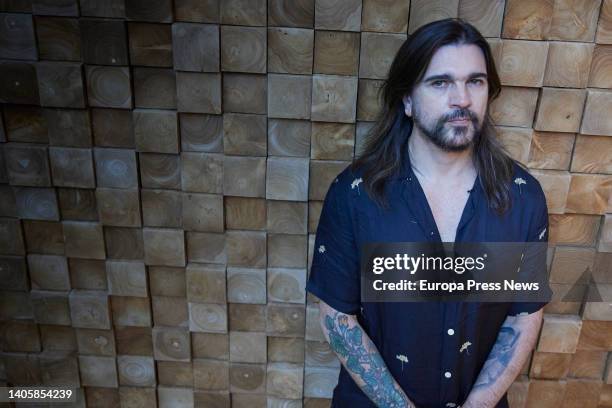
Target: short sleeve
<point x="334" y="275"/>
<point x="534" y="262"/>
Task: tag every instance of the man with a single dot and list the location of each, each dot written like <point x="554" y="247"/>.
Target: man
<point x="431" y="170"/>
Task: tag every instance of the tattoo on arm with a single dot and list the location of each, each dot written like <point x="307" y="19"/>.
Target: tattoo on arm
<point x="499" y="357"/>
<point x="364" y="360"/>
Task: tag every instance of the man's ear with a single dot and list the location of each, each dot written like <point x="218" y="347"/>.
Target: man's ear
<point x="407" y="105"/>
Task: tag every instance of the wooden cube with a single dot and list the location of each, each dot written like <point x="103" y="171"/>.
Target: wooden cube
<point x="112" y="128"/>
<point x="591" y="154"/>
<point x="131" y="311"/>
<point x="198" y="92"/>
<point x="288" y="13"/>
<point x="423" y="12"/>
<point x="545" y="393"/>
<point x="19" y="41"/>
<point x="560" y="334"/>
<point x="551" y="150"/>
<point x="575" y="229"/>
<point x="175" y="373"/>
<point x="246" y="248"/>
<point x="84" y="240"/>
<point x="20" y="336"/>
<point x="58" y="38"/>
<point x="36" y="203"/>
<point x="135" y="341"/>
<point x="24" y="123"/>
<point x="154" y="88"/>
<point x="68" y="127"/>
<point x="124" y="243"/>
<point x="248" y="347"/>
<point x="582" y="392"/>
<point x="243" y="12"/>
<point x="98" y="371"/>
<point x="244" y="93"/>
<point x="319" y="382"/>
<point x="116" y="168"/>
<point x="604" y="26"/>
<point x="119" y="208"/>
<point x="515" y="106"/>
<point x="284" y="320"/>
<point x="113" y="8"/>
<point x="59" y="369"/>
<point x="96" y="342"/>
<point x="161" y="208"/>
<point x="175" y="397"/>
<point x="369" y="99"/>
<point x="195" y="47"/>
<point x="197" y="11"/>
<point x="104" y="42"/>
<point x="336" y="52"/>
<point x="320" y="354"/>
<point x="285" y="380"/>
<point x="160" y="170"/>
<point x="49" y="272"/>
<point x="332" y="141"/>
<point x="89" y="309"/>
<point x="286" y="349"/>
<point x="72" y="167"/>
<point x="516" y="141"/>
<point x="109" y="87"/>
<point x="244" y="176"/>
<point x="574" y="22"/>
<point x="568" y="64"/>
<point x="600" y="76"/>
<point x="150" y="44"/>
<point x="126" y="278"/>
<point x="287" y="179"/>
<point x="287" y="285"/>
<point x="210" y="374"/>
<point x="208" y="247"/>
<point x="248" y="379"/>
<point x="11" y="237"/>
<point x="527" y="20"/>
<point x="245" y="213"/>
<point x="156" y="131"/>
<point x="589" y="194"/>
<point x="18" y="83"/>
<point x="167" y="281"/>
<point x="164" y="246"/>
<point x="289" y="96"/>
<point x="137" y="396"/>
<point x="338" y="15"/>
<point x="60" y="84"/>
<point x="68" y="8"/>
<point x="14" y="273"/>
<point x="550" y="366"/>
<point x="387" y="17"/>
<point x="377" y="53"/>
<point x="206" y="283"/>
<point x="210" y="345"/>
<point x="141" y="10"/>
<point x="290" y="50"/>
<point x="202" y="172"/>
<point x="322" y="173"/>
<point x="486" y="16"/>
<point x="588" y="364"/>
<point x="286" y="217"/>
<point x="334" y="98"/>
<point x="201" y="133"/>
<point x="569" y="264"/>
<point x="50" y="307"/>
<point x="596" y="120"/>
<point x="247" y="317"/>
<point x="208" y="317"/>
<point x="27" y="165"/>
<point x="138" y="371"/>
<point x="287" y="251"/>
<point x="556" y="186"/>
<point x="244" y="135"/>
<point x="523" y="63"/>
<point x="559" y="110"/>
<point x="246" y="285"/>
<point x="243" y="49"/>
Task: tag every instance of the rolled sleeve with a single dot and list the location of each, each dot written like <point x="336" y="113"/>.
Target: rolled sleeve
<point x="534" y="264"/>
<point x="334" y="275"/>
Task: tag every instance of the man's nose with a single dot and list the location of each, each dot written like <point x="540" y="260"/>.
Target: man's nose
<point x="460" y="96"/>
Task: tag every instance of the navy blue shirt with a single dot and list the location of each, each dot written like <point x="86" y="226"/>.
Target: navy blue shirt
<point x="446" y="343"/>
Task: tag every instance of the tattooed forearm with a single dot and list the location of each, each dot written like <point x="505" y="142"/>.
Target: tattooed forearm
<point x="499" y="357"/>
<point x="361" y="358"/>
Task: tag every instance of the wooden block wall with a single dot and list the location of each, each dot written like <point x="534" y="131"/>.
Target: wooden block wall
<point x="162" y="170"/>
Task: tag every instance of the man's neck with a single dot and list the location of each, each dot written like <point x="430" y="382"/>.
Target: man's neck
<point x="433" y="163"/>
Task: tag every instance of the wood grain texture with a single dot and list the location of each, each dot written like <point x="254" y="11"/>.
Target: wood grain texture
<point x="291" y="13"/>
<point x="150" y="44"/>
<point x="195" y="47"/>
<point x="243" y="49"/>
<point x="568" y="64"/>
<point x="338" y="15"/>
<point x="423" y="12"/>
<point x="523" y="63"/>
<point x="336" y="52"/>
<point x="58" y="38"/>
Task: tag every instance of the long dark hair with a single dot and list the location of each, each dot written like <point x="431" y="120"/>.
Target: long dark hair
<point x="386" y="143"/>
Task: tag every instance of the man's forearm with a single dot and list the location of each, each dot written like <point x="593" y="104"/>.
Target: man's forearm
<point x="362" y="360"/>
<point x="515" y="341"/>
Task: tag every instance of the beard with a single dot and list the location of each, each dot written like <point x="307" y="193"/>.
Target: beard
<point x="448" y="137"/>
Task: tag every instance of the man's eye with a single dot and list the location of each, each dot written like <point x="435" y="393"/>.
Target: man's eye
<point x="438" y="83"/>
<point x="477" y="81"/>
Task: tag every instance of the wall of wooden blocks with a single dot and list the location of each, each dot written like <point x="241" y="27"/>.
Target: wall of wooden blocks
<point x="164" y="164"/>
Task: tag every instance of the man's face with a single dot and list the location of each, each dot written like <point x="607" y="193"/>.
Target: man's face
<point x="450" y="103"/>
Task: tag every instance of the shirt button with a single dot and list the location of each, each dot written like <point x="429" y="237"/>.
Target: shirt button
<point x="448" y="374"/>
<point x="450" y="332"/>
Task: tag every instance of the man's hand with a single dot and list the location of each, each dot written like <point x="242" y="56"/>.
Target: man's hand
<point x="515" y="341"/>
<point x="361" y="358"/>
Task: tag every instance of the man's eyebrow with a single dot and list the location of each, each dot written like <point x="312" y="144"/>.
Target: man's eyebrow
<point x="450" y="77"/>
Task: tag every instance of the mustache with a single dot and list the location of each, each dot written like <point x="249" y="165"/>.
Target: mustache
<point x="461" y="114"/>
